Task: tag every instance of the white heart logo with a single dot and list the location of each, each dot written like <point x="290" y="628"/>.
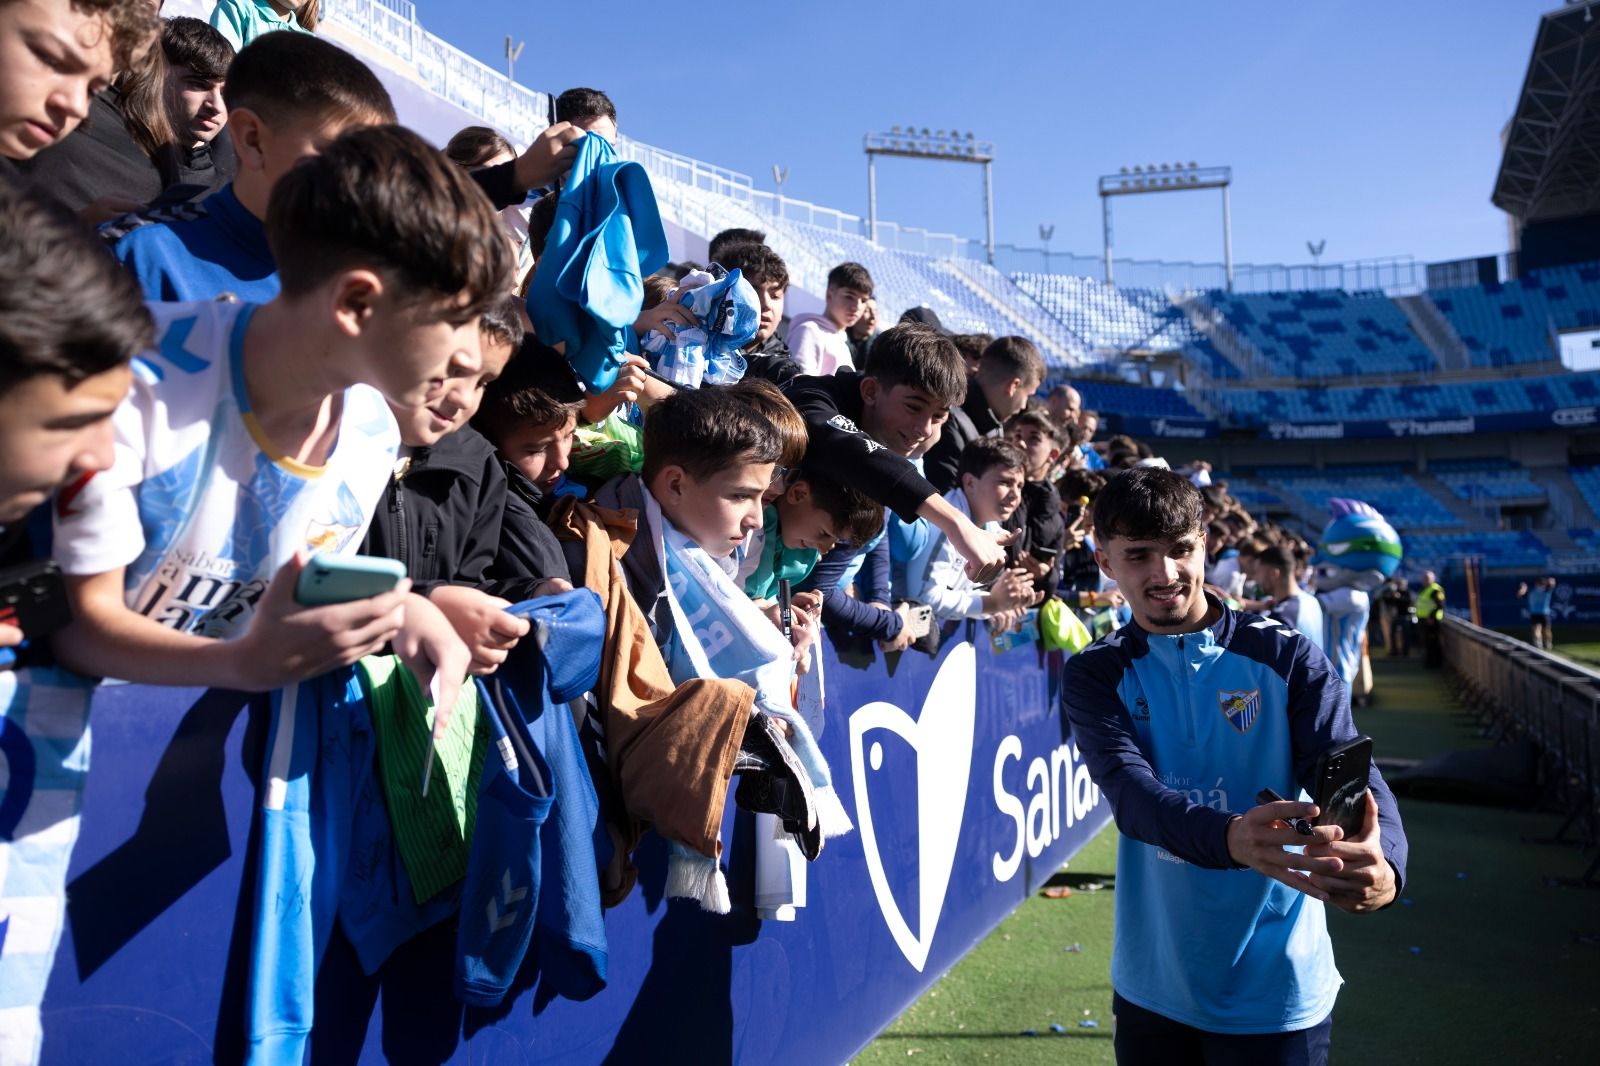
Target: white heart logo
<point x="941" y="737"/>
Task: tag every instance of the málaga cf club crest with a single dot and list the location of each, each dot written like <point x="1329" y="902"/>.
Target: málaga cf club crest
<point x="1241" y="708"/>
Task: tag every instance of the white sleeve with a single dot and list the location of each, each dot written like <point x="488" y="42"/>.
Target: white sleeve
<point x="806" y="347"/>
<point x="97" y="525"/>
<point x="944" y="584"/>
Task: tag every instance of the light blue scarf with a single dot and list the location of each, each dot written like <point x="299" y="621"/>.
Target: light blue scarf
<point x="720" y="632"/>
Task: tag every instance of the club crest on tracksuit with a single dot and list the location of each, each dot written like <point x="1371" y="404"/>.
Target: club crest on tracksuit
<point x="1241" y="708"/>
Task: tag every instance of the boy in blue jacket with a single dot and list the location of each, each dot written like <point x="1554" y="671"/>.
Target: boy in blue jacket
<point x="1222" y="953"/>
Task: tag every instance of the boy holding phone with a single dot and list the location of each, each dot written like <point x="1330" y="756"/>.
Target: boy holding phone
<point x="1182" y="717"/>
<point x="256" y="435"/>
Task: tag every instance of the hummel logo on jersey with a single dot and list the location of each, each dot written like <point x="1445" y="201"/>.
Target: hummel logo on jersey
<point x="843" y="424"/>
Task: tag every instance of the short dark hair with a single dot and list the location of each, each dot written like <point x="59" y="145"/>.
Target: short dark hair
<point x="523" y="396"/>
<point x="66" y="308"/>
<point x="287" y="76"/>
<point x="759" y="265"/>
<point x="575" y="105"/>
<point x="502" y="322"/>
<point x="971" y="345"/>
<point x="474" y="146"/>
<point x="1038" y="418"/>
<point x="919" y="357"/>
<point x="857" y="517"/>
<point x="851" y="276"/>
<point x="1011" y="357"/>
<point x="729" y="237"/>
<point x="1076" y="484"/>
<point x="1147" y="504"/>
<point x="1278" y="557"/>
<point x="706" y="431"/>
<point x="189" y="42"/>
<point x="382" y="197"/>
<point x="985" y="453"/>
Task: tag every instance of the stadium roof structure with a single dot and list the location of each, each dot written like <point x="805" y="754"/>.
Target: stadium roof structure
<point x="1551" y="166"/>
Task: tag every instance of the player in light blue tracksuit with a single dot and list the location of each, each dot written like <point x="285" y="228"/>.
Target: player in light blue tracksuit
<point x="1222" y="952"/>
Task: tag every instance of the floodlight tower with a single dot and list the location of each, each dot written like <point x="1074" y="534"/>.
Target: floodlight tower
<point x="1162" y="177"/>
<point x="914" y="143"/>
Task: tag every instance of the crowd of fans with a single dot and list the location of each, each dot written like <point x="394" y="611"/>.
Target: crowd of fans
<point x="244" y="316"/>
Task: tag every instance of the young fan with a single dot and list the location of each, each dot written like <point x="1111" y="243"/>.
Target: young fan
<point x="992" y="475"/>
<point x="256" y="434"/>
<point x="287" y="95"/>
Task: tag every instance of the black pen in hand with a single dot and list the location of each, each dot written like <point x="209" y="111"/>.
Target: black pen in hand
<point x="1299" y="825"/>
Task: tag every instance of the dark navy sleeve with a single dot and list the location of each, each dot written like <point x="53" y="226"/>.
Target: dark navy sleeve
<point x="1319" y="719"/>
<point x="839" y="608"/>
<point x="1145" y="808"/>
<point x="839" y="446"/>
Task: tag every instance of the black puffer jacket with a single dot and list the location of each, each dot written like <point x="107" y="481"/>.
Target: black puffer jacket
<point x="442" y="515"/>
<point x="529" y="553"/>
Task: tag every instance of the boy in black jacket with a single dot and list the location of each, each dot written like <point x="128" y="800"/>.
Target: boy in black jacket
<point x="1038" y="520"/>
<point x="865" y="427"/>
<point x="442" y="513"/>
<point x="530" y="416"/>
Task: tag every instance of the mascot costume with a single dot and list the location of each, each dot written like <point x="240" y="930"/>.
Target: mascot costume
<point x="1358" y="552"/>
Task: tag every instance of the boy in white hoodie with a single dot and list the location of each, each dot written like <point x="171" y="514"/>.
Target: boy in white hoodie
<point x="819" y="343"/>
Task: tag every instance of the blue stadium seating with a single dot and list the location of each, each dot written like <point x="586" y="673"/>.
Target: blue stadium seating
<point x="1496" y="479"/>
<point x="1326" y="333"/>
<point x="1587" y="478"/>
<point x="1512" y="324"/>
<point x="1388" y="488"/>
<point x="1142" y="400"/>
<point x="1499" y="548"/>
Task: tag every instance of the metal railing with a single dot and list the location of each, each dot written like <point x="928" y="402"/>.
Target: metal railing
<point x="1523" y="692"/>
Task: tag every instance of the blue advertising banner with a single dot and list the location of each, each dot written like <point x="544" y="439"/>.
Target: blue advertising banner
<point x="965" y="789"/>
<point x="1163" y="427"/>
<point x="1336" y="429"/>
<point x="1576" y="600"/>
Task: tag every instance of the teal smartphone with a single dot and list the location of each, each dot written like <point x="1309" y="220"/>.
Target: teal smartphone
<point x="345" y="578"/>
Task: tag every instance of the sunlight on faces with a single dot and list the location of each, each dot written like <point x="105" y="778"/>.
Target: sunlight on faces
<point x="406" y="346"/>
<point x="1163" y="580"/>
<point x="904" y="419"/>
<point x="717" y="513"/>
<point x="52" y="433"/>
<point x="994" y="496"/>
<point x="804" y="524"/>
<point x="771" y="297"/>
<point x="267" y="151"/>
<point x="541" y="452"/>
<point x="845" y="306"/>
<point x="53" y="59"/>
<point x="455" y="401"/>
<point x="195" y="104"/>
<point x="1038" y="447"/>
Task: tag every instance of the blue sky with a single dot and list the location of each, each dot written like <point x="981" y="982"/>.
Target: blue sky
<point x="1372" y="125"/>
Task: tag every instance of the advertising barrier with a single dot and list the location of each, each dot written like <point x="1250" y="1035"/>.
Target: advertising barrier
<point x="959" y="774"/>
<point x="1453" y="426"/>
<point x="1576" y="599"/>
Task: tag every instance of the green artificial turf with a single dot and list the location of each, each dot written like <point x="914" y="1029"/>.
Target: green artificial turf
<point x="1489" y="957"/>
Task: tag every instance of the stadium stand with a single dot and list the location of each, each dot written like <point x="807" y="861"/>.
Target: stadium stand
<point x="1501" y="549"/>
<point x="1515" y="323"/>
<point x="1473" y="478"/>
<point x="1141" y="400"/>
<point x="1587" y="479"/>
<point x="1389" y="488"/>
<point x="1326" y="333"/>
